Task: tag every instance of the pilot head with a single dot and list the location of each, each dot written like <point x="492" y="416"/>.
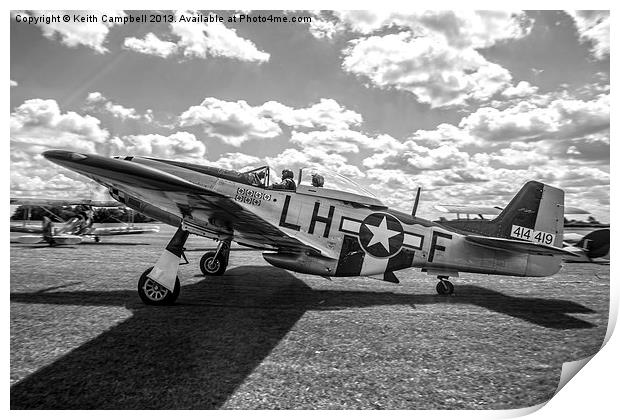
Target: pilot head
<point x="287" y="173"/>
<point x="317" y="180"/>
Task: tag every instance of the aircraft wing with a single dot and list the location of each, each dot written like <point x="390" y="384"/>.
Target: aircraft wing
<point x="123" y="230"/>
<point x="490" y="211"/>
<point x="182" y="198"/>
<point x="58" y="239"/>
<point x="514" y="245"/>
<point x="245" y="226"/>
<point x="61" y="202"/>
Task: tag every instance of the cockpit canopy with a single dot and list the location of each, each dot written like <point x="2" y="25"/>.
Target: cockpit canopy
<point x="315" y="181"/>
<point x="331" y="180"/>
<point x="259" y="177"/>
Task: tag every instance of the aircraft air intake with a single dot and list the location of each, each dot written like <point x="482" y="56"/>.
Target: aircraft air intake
<point x="301" y="263"/>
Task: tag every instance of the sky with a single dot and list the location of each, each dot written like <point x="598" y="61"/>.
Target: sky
<point x="466" y="105"/>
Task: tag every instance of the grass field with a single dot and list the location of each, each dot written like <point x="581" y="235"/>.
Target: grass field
<point x="261" y="337"/>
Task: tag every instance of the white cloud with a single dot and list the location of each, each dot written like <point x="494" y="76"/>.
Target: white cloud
<point x="39" y="122"/>
<point x="38" y="125"/>
<point x="72" y="34"/>
<point x="232" y="122"/>
<point x="151" y="45"/>
<point x="593" y="26"/>
<point x="522" y="89"/>
<point x="445" y="134"/>
<point x="97" y="100"/>
<point x="237" y="122"/>
<point x="315" y="158"/>
<point x="343" y="141"/>
<point x="492" y="152"/>
<point x="516" y="155"/>
<point x="435" y="72"/>
<point x="179" y="146"/>
<point x="432" y="54"/>
<point x="326" y="113"/>
<point x="214" y="39"/>
<point x="460" y="28"/>
<point x="237" y="161"/>
<point x="321" y="27"/>
<point x="561" y="118"/>
<point x="414" y="158"/>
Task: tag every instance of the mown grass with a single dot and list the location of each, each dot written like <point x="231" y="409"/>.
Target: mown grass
<point x="261" y="337"/>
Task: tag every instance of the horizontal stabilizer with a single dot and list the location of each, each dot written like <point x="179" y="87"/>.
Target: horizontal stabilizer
<point x="514" y="245"/>
<point x="488" y="210"/>
<point x="464" y="209"/>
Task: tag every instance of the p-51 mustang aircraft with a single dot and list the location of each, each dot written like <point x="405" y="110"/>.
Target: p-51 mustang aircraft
<point x="337" y="229"/>
<point x="75" y="229"/>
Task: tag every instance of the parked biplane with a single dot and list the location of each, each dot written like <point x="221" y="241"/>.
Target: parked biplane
<point x="76" y="228"/>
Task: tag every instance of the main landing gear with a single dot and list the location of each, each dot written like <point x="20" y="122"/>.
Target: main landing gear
<point x="152" y="293"/>
<point x="444" y="287"/>
<point x="214" y="263"/>
<point x="159" y="285"/>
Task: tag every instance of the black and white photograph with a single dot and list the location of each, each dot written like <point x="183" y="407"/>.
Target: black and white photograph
<point x="307" y="209"/>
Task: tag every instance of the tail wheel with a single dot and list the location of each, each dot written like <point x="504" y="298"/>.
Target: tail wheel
<point x="152" y="293"/>
<point x="212" y="266"/>
<point x="444" y="287"/>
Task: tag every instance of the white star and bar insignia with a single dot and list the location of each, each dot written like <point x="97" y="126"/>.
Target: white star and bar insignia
<point x="381" y="235"/>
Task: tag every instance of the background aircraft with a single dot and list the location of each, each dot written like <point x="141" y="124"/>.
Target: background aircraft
<point x="73" y="230"/>
<point x="587" y="240"/>
<point x="335" y="230"/>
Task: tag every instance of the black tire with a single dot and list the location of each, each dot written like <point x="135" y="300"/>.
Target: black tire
<point x="444" y="287"/>
<point x="213" y="267"/>
<point x="151" y="293"/>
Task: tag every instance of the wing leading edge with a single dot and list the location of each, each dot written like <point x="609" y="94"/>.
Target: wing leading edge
<point x="224" y="214"/>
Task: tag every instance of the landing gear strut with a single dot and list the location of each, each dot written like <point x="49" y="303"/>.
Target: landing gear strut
<point x="159" y="285"/>
<point x="444" y="287"/>
<point x="214" y="263"/>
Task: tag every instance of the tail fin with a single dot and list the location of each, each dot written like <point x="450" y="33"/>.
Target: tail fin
<point x="535" y="214"/>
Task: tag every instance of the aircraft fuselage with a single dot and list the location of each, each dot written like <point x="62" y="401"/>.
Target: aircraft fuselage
<point x="354" y="239"/>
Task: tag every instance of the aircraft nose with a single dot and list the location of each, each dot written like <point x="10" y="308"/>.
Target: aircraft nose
<point x="58" y="156"/>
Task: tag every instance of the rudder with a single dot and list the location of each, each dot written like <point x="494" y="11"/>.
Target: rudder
<point x="535" y="214"/>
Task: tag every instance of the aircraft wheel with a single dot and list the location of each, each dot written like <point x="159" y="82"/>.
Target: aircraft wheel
<point x="444" y="287"/>
<point x="153" y="293"/>
<point x="211" y="266"/>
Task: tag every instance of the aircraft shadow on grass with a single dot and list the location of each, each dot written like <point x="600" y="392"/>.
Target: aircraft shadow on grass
<point x="96" y="244"/>
<point x="193" y="355"/>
